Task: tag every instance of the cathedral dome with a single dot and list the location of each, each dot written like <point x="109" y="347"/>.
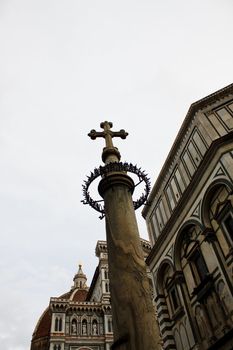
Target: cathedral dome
<point x="78" y="293"/>
<point x="42" y="329"/>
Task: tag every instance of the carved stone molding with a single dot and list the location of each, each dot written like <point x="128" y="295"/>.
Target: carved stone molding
<point x="209" y="234"/>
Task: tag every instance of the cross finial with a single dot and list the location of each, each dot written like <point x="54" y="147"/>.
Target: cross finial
<point x="109" y="151"/>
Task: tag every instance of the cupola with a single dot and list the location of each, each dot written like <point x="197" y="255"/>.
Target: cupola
<point x="80" y="279"/>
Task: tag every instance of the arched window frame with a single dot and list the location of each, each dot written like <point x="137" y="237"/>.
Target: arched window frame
<point x="220" y="213"/>
<point x="168" y="288"/>
<point x="173" y="297"/>
<point x="193" y="254"/>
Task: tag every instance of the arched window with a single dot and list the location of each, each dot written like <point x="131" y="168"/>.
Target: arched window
<point x="191" y="256"/>
<point x="168" y="288"/>
<point x="109" y="325"/>
<point x="106" y="287"/>
<point x="56" y="324"/>
<point x="218" y="213"/>
<point x="60" y="324"/>
<point x="105" y="274"/>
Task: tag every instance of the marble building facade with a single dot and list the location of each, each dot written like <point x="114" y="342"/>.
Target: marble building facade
<point x="190" y="223"/>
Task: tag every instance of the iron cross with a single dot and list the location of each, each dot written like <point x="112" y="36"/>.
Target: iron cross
<point x="107" y="133"/>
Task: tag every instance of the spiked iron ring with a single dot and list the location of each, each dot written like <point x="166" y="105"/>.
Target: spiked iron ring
<point x="115" y="167"/>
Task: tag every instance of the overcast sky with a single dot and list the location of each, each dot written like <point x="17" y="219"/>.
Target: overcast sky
<point x="66" y="66"/>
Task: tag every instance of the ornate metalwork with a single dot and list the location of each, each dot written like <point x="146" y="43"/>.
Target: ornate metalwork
<point x="115" y="167"/>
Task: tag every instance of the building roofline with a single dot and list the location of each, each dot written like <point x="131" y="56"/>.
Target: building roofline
<point x="196" y="106"/>
<point x="39" y="323"/>
<point x="93" y="282"/>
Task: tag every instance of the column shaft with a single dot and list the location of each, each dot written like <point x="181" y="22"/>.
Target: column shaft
<point x="133" y="312"/>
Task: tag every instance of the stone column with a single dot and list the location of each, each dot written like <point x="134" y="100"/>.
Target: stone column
<point x="134" y="323"/>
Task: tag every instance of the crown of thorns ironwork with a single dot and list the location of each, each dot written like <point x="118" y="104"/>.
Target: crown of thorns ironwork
<point x="111" y="167"/>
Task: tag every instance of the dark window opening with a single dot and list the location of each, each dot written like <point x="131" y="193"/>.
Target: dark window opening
<point x="109" y="325"/>
<point x="228" y="223"/>
<point x="200" y="265"/>
<point x="57" y="347"/>
<point x="60" y="325"/>
<point x="56" y="324"/>
<point x="174" y="298"/>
